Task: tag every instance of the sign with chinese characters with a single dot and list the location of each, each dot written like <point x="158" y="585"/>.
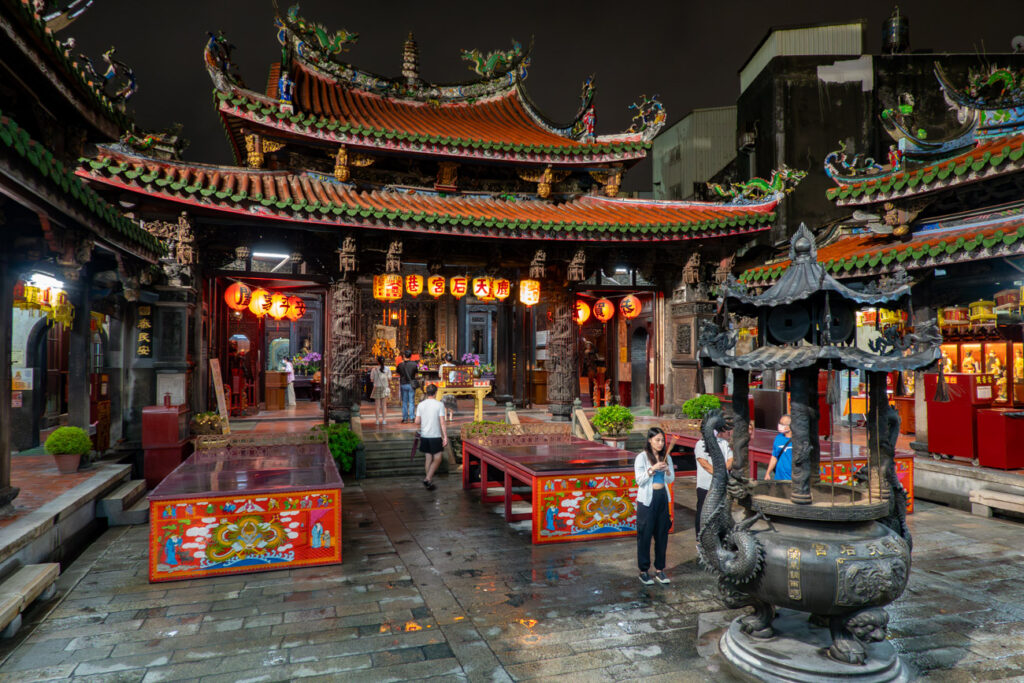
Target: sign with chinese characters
<point x="483" y="288"/>
<point x="414" y="285"/>
<point x="501" y="289"/>
<point x="459" y="286"/>
<point x="435" y="285"/>
<point x="144" y="332"/>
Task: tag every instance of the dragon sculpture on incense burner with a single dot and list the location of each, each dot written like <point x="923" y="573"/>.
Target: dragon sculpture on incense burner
<point x="725" y="547"/>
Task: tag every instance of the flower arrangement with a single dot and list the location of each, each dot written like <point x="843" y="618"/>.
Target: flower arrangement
<point x="206" y="423"/>
<point x="470" y="359"/>
<point x="430" y="349"/>
<point x="487" y="369"/>
<point x="308" y="364"/>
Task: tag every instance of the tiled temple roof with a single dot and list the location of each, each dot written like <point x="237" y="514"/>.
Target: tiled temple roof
<point x="64" y="181"/>
<point x="37" y="32"/>
<point x="317" y="199"/>
<point x="990" y="235"/>
<point x="499" y="128"/>
<point x="989" y="157"/>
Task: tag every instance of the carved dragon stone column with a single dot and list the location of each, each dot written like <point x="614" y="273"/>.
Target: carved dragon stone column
<point x="561" y="356"/>
<point x="343" y="349"/>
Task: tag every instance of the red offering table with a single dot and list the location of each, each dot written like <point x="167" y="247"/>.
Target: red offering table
<point x="848" y="458"/>
<point x="238" y="510"/>
<point x="579" y="489"/>
<point x="1001" y="439"/>
<point x="953" y="425"/>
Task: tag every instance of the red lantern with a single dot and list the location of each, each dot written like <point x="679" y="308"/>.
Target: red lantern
<point x="529" y="292"/>
<point x="414" y="285"/>
<point x="278" y="306"/>
<point x="435" y="286"/>
<point x="630" y="307"/>
<point x="604" y="310"/>
<point x="582" y="312"/>
<point x="237" y="296"/>
<point x="501" y="289"/>
<point x="459" y="286"/>
<point x="296" y="308"/>
<point x="259" y="304"/>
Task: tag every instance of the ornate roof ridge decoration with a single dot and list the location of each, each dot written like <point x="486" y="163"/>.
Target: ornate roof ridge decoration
<point x="65" y="181"/>
<point x="309" y="198"/>
<point x="805" y="277"/>
<point x="981" y="93"/>
<point x="783" y="181"/>
<point x="988" y="157"/>
<point x="392" y="99"/>
<point x="80" y="69"/>
<point x="991" y="234"/>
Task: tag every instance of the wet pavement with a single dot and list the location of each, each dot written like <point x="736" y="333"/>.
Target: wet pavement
<point x="435" y="585"/>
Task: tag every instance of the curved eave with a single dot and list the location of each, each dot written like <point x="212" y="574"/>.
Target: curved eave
<point x="323" y="130"/>
<point x="940" y="250"/>
<point x="991" y="158"/>
<point x="303" y="199"/>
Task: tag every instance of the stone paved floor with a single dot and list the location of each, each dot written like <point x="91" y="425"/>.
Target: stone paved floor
<point x="433" y="585"/>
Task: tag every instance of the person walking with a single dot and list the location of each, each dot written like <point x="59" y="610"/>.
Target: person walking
<point x="705" y="469"/>
<point x="289" y="389"/>
<point x="407" y="370"/>
<point x="433" y="433"/>
<point x="780" y="467"/>
<point x="654" y="472"/>
<point x="380" y="376"/>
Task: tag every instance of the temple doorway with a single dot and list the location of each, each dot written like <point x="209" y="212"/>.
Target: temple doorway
<point x="638" y="362"/>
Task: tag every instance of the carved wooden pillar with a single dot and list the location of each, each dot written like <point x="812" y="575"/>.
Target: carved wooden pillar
<point x="343" y="349"/>
<point x="561" y="355"/>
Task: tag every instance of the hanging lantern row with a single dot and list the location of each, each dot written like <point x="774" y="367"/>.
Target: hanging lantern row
<point x="239" y="296"/>
<point x="603" y="309"/>
<point x="389" y="287"/>
<point x="50" y="301"/>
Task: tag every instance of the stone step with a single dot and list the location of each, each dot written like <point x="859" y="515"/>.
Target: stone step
<point x="20" y="589"/>
<point x="126" y="505"/>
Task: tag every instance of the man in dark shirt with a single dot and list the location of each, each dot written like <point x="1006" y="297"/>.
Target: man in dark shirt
<point x="407" y="370"/>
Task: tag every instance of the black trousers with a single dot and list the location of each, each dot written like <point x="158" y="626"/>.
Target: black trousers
<point x="701" y="495"/>
<point x="652" y="521"/>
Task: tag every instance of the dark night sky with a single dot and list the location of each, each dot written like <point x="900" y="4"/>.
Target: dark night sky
<point x="688" y="52"/>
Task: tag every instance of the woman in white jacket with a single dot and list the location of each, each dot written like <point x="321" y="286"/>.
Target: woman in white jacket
<point x="654" y="472"/>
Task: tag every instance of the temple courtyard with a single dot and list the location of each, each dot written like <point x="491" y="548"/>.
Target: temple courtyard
<point x="436" y="586"/>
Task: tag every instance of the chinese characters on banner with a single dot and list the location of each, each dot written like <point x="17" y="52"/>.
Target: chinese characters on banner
<point x="144" y="332"/>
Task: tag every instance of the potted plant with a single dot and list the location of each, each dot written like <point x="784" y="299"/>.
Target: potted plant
<point x="487" y="371"/>
<point x="614" y="423"/>
<point x="699" y="406"/>
<point x="67" y="445"/>
<point x="343" y="443"/>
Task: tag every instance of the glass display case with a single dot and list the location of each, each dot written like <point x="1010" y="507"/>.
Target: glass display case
<point x="996" y="355"/>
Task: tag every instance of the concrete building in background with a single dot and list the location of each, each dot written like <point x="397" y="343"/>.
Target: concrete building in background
<point x="693" y="150"/>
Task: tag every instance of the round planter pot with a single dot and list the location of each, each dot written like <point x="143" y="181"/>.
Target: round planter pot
<point x="67" y="463"/>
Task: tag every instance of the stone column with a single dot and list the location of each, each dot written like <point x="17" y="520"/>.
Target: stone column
<point x="343" y="350"/>
<point x="740" y="420"/>
<point x="506" y="354"/>
<point x="561" y="355"/>
<point x="800" y="388"/>
<point x="7" y="282"/>
<point x="78" y="353"/>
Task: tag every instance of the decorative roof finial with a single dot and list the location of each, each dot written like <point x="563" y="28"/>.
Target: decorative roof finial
<point x="411" y="61"/>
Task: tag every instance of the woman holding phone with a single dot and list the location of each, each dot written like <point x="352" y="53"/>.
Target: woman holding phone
<point x="654" y="472"/>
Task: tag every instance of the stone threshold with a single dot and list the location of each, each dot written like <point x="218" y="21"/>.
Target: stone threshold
<point x="39" y="522"/>
<point x="951" y="481"/>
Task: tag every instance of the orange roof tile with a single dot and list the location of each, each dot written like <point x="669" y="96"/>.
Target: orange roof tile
<point x="317" y="198"/>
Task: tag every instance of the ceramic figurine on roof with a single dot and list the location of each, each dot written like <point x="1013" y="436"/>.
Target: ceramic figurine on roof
<point x="498" y="62"/>
<point x="783" y="181"/>
<point x="995" y="96"/>
<point x="804" y="545"/>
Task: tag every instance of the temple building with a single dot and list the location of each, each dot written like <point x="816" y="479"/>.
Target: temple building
<point x="945" y="214"/>
<point x="365" y="215"/>
<point x="73" y="264"/>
